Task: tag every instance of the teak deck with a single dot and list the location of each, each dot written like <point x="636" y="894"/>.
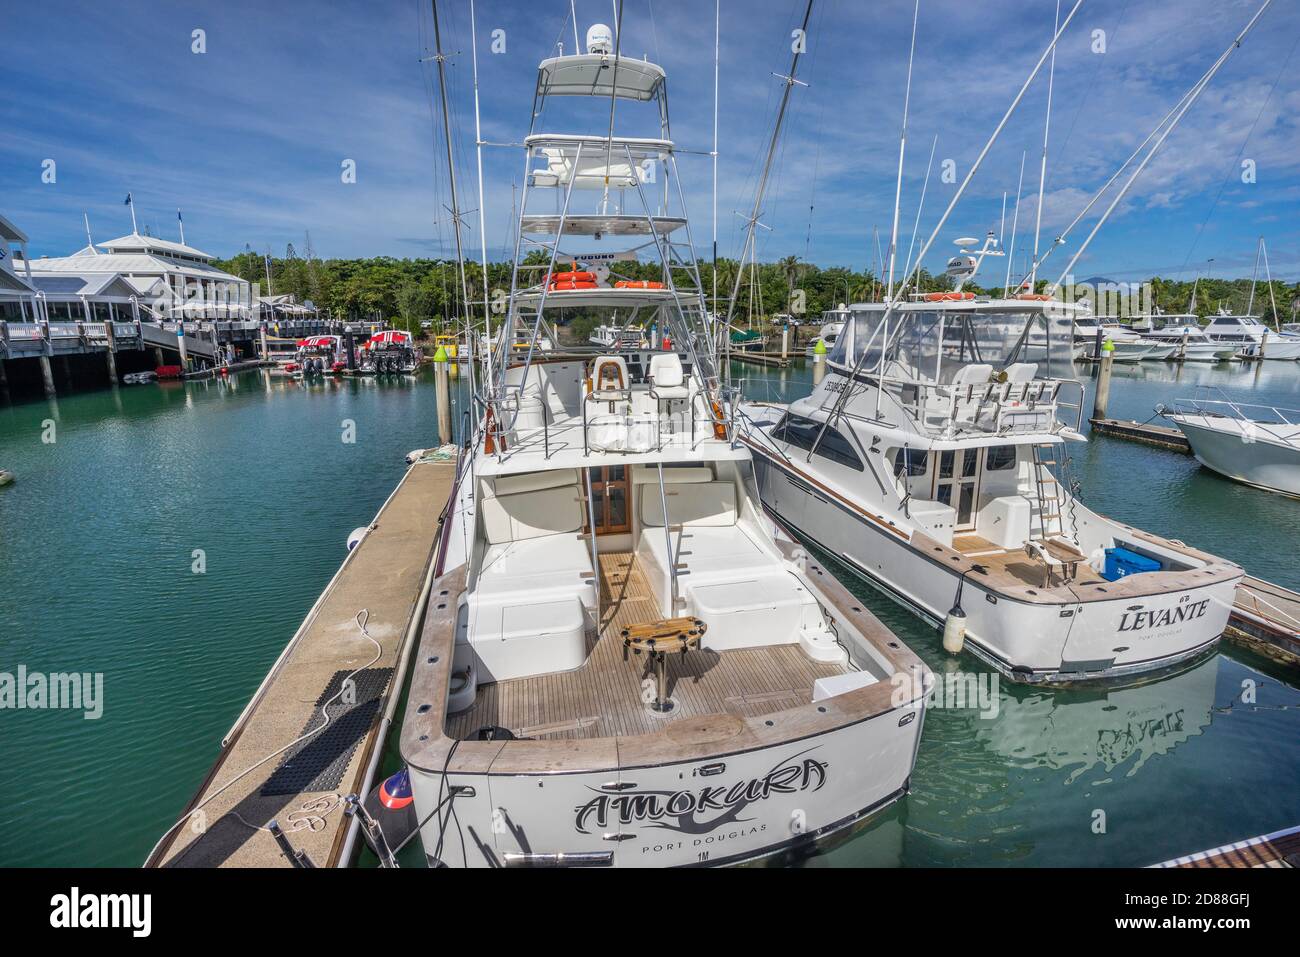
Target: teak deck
<point x="1279" y="849"/>
<point x="606" y="697"/>
<point x="384" y="575"/>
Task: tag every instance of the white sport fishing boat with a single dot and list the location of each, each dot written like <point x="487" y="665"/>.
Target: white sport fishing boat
<point x="1184" y="333"/>
<point x="932" y="460"/>
<point x="1128" y="345"/>
<point x="623" y="662"/>
<point x="1255" y="444"/>
<point x="832" y="325"/>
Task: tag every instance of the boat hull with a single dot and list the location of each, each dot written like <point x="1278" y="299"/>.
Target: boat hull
<point x="724" y="809"/>
<point x="1263" y="464"/>
<point x="1039" y="642"/>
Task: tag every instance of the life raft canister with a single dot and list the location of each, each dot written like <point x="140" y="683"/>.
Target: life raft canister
<point x="573" y="276"/>
<point x="948" y="296"/>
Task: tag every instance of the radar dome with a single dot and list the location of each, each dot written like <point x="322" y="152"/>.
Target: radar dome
<point x="600" y="39"/>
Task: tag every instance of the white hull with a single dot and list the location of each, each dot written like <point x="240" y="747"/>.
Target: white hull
<point x="1258" y="462"/>
<point x="722" y="810"/>
<point x="1039" y="642"/>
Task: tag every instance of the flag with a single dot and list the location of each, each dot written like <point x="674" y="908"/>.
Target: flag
<point x="127" y="202"/>
<point x="178" y="217"/>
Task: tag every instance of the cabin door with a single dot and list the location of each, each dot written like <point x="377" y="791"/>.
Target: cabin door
<point x="956" y="483"/>
<point x="609" y="493"/>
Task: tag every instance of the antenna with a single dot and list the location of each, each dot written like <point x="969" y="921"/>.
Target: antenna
<point x="1042" y="172"/>
<point x="902" y="149"/>
<point x="90" y="243"/>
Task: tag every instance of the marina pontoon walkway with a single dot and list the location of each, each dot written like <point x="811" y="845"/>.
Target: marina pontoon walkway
<point x="303" y="788"/>
<point x="604" y="697"/>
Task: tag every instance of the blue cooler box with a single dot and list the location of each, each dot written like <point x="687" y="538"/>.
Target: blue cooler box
<point x="1121" y="562"/>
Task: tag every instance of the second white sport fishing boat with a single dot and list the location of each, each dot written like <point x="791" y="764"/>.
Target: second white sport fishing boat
<point x="932" y="461"/>
<point x="1255" y="444"/>
<point x="623" y="663"/>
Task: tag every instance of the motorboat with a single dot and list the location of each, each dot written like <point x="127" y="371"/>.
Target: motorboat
<point x="1128" y="345"/>
<point x="140" y="378"/>
<point x="625" y="662"/>
<point x="617" y="337"/>
<point x="832" y="325"/>
<point x="391" y="352"/>
<point x="942" y="477"/>
<point x="1189" y="341"/>
<point x="1252" y="338"/>
<point x="1258" y="445"/>
<point x="318" y="355"/>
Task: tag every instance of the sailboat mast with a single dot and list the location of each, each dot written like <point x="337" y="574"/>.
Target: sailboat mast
<point x="451" y="169"/>
<point x="902" y="149"/>
<point x="482" y="214"/>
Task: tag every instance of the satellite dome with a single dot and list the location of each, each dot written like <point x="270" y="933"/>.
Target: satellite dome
<point x="600" y="39"/>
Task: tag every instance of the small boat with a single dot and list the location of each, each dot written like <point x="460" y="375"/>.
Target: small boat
<point x="391" y="352"/>
<point x="616" y="338"/>
<point x="1128" y="345"/>
<point x="140" y="378"/>
<point x="1254" y="444"/>
<point x="747" y="340"/>
<point x="319" y="355"/>
<point x="832" y="325"/>
<point x="6" y="477"/>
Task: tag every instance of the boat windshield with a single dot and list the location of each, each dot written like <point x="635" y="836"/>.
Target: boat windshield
<point x="932" y="345"/>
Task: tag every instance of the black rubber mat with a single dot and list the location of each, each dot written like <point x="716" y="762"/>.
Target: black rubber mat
<point x="318" y="763"/>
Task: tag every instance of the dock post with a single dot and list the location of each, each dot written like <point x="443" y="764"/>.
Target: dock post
<point x="110" y="359"/>
<point x="47" y="376"/>
<point x="1263" y="345"/>
<point x="442" y="378"/>
<point x="819" y="361"/>
<point x="180" y="345"/>
<point x="1102" y="399"/>
<point x="158" y="354"/>
<point x="266" y="354"/>
<point x="785" y="339"/>
<point x="1182" y="350"/>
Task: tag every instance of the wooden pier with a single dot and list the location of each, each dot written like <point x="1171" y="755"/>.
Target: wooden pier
<point x="769" y="359"/>
<point x="1279" y="849"/>
<point x="1160" y="436"/>
<point x="282" y="761"/>
<point x="1266" y="619"/>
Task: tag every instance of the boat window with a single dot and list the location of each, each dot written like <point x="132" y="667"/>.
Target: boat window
<point x="802" y="433"/>
<point x="999" y="458"/>
<point x="913" y="461"/>
<point x="1227" y="321"/>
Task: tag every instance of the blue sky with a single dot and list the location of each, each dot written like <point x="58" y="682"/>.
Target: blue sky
<point x="248" y="137"/>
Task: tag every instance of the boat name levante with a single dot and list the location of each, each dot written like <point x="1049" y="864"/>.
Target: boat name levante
<point x="1163" y="617"/>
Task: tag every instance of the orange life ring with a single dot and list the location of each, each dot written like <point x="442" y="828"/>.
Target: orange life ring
<point x="564" y="286"/>
<point x="949" y="296"/>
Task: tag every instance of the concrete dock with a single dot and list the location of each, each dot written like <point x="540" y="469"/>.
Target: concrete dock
<point x="1266" y="619"/>
<point x="1159" y="436"/>
<point x="264" y="771"/>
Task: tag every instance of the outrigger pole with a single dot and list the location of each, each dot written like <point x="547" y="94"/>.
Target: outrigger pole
<point x="902" y="149"/>
<point x="1184" y="105"/>
<point x="717" y="52"/>
<point x="790" y="83"/>
<point x="1042" y="170"/>
<point x="943" y="220"/>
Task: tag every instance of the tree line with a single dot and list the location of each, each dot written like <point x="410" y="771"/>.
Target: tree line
<point x="417" y="294"/>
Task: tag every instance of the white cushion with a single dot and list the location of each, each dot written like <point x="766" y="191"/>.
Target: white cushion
<point x="972" y="375"/>
<point x="604" y="361"/>
<point x="676" y="476"/>
<point x="666" y="371"/>
<point x="513" y="518"/>
<point x="706" y="503"/>
<point x="1022" y="372"/>
<point x="534" y="481"/>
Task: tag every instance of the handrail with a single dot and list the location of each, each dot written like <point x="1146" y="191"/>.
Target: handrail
<point x="668" y="539"/>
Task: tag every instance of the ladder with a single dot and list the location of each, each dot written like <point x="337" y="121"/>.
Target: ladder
<point x="1050" y="500"/>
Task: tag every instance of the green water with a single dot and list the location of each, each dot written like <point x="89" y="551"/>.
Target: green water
<point x="97" y="539"/>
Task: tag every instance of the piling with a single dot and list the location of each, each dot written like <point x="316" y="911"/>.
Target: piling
<point x="47" y="376"/>
<point x="158" y="354"/>
<point x="785" y="340"/>
<point x="1263" y="345"/>
<point x="110" y="359"/>
<point x="266" y="350"/>
<point x="350" y="349"/>
<point x="442" y="377"/>
<point x="1102" y="398"/>
<point x="819" y="361"/>
<point x="180" y="345"/>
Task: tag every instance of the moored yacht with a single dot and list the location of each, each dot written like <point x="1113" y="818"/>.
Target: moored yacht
<point x="1255" y="444"/>
<point x="1188" y="339"/>
<point x="624" y="663"/>
<point x="932" y="461"/>
<point x="1128" y="345"/>
<point x="317" y="355"/>
<point x="832" y="325"/>
<point x="1251" y="337"/>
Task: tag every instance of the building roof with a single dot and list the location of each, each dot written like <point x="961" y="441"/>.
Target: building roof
<point x="151" y="244"/>
<point x="75" y="285"/>
<point x="10" y="233"/>
<point x="131" y="263"/>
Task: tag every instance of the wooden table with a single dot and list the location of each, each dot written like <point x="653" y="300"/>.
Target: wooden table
<point x="658" y="639"/>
